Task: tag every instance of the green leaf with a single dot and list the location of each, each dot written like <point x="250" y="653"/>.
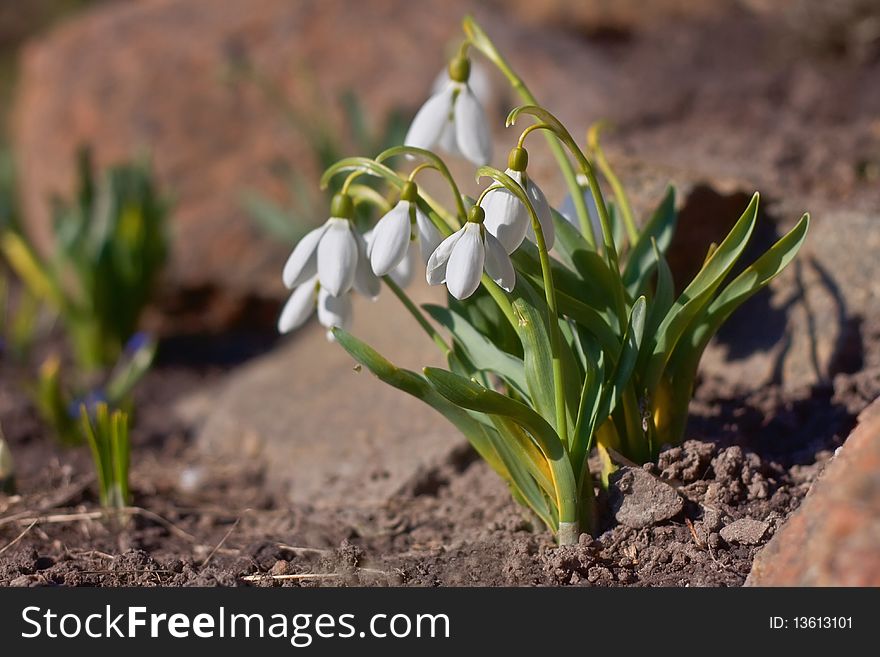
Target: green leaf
<point x="590" y="402"/>
<point x="537" y="354"/>
<point x="752" y="280"/>
<point x="469" y="394"/>
<point x="660" y="229"/>
<point x="522" y="476"/>
<point x="521" y="445"/>
<point x="531" y="312"/>
<point x="592" y="321"/>
<point x="698" y="294"/>
<point x="483" y="354"/>
<point x="591" y="282"/>
<point x="629" y="354"/>
<point x="478" y="433"/>
<point x="664" y="293"/>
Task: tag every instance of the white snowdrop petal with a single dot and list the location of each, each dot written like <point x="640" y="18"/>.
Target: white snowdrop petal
<point x="429" y="236"/>
<point x="498" y="264"/>
<point x="441" y="81"/>
<point x="506" y="218"/>
<point x="436" y="268"/>
<point x="430" y="120"/>
<point x="465" y="266"/>
<point x="390" y="239"/>
<point x="542" y="209"/>
<point x="334" y="311"/>
<point x="337" y="257"/>
<point x="402" y="274"/>
<point x="472" y="129"/>
<point x="303" y="261"/>
<point x="365" y="281"/>
<point x="299" y="307"/>
<point x="447" y="140"/>
<point x="568" y="211"/>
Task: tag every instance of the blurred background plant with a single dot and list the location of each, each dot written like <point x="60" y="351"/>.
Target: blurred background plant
<point x="326" y="145"/>
<point x="7" y="470"/>
<point x="110" y="244"/>
<point x="107" y="435"/>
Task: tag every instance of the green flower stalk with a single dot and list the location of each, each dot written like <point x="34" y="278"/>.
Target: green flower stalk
<point x="560" y="342"/>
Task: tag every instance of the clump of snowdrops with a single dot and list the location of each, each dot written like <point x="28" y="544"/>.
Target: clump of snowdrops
<point x="562" y="331"/>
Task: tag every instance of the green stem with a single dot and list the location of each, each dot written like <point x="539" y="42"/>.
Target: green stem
<point x="555" y="333"/>
<point x="554" y="126"/>
<point x="480" y="40"/>
<point x="632" y="232"/>
<point x="434" y="162"/>
<point x="549" y="291"/>
<point x="417" y="314"/>
<point x="500" y="298"/>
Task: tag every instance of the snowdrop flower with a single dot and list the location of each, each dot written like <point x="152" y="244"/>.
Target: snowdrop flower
<point x="454" y="119"/>
<point x="402" y="226"/>
<point x="403" y="273"/>
<point x="507" y="218"/>
<point x="460" y="259"/>
<point x="568" y="211"/>
<point x="333" y="311"/>
<point x="336" y="252"/>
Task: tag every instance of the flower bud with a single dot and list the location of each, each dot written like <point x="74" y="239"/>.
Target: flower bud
<point x="460" y="69"/>
<point x="409" y="192"/>
<point x="518" y="159"/>
<point x="476" y="215"/>
<point x="342" y="206"/>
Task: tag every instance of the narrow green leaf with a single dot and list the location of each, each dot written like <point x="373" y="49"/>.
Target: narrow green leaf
<point x="475" y="431"/>
<point x="521" y="480"/>
<point x="664" y="292"/>
<point x="469" y="394"/>
<point x="483" y="354"/>
<point x="591" y="282"/>
<point x="590" y="402"/>
<point x="660" y="228"/>
<point x="519" y="444"/>
<point x="752" y="280"/>
<point x="538" y="357"/>
<point x="698" y="294"/>
<point x="629" y="354"/>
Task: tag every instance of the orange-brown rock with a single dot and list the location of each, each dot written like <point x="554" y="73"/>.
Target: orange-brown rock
<point x="833" y="539"/>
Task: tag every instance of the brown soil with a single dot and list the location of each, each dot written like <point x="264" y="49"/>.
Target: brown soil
<point x="201" y="522"/>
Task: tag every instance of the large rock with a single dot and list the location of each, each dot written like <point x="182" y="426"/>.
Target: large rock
<point x="329" y="434"/>
<point x="833" y="539"/>
<point x="148" y="76"/>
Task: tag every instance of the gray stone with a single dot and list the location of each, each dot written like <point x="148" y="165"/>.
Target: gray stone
<point x="745" y="531"/>
<point x="329" y="434"/>
<point x="639" y="499"/>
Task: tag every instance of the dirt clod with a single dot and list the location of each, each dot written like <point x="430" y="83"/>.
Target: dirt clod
<point x="745" y="531"/>
<point x="639" y="499"/>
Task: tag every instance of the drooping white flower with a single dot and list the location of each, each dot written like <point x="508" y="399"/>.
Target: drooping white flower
<point x="332" y="311"/>
<point x="453" y="118"/>
<point x="568" y="210"/>
<point x="460" y="259"/>
<point x="507" y="218"/>
<point x="403" y="273"/>
<point x="393" y="235"/>
<point x="332" y="251"/>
